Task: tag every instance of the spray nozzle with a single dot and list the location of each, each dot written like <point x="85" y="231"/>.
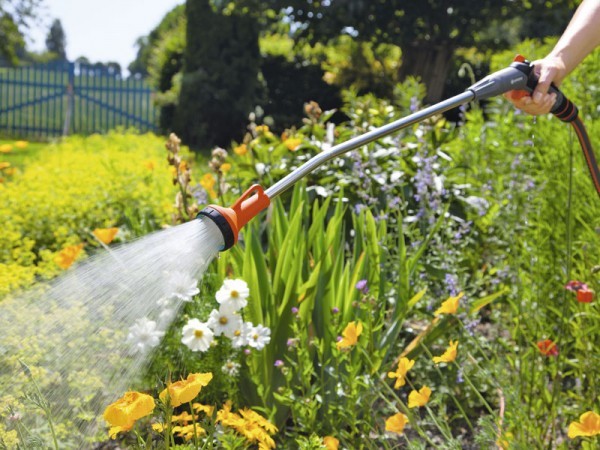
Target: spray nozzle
<point x="231" y="220"/>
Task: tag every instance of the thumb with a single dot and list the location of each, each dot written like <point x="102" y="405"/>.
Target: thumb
<point x="546" y="75"/>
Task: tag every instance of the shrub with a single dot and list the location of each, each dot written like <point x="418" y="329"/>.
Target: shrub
<point x="76" y="186"/>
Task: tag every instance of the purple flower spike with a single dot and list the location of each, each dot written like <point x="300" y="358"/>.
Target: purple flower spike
<point x="294" y="310"/>
<point x="335" y="310"/>
<point x="278" y="363"/>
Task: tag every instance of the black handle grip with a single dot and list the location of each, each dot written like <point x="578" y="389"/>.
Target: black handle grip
<point x="563" y="108"/>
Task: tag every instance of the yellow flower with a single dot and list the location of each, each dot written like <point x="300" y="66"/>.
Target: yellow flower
<point x="158" y="427"/>
<point x="185" y="418"/>
<point x="208" y="181"/>
<point x="6" y="148"/>
<point x="416" y="399"/>
<point x="185" y="391"/>
<point x="450" y="306"/>
<point x="331" y="443"/>
<point x="449" y="355"/>
<point x="105" y="235"/>
<point x="225" y="167"/>
<point x="68" y="255"/>
<point x="207" y="409"/>
<point x="350" y="335"/>
<point x="588" y="425"/>
<point x="4" y="165"/>
<point x="149" y="164"/>
<point x="292" y="143"/>
<point x="404" y="365"/>
<point x="241" y="150"/>
<point x="396" y="423"/>
<point x="123" y="413"/>
<point x="187" y="431"/>
<point x="21" y="144"/>
<point x="262" y="129"/>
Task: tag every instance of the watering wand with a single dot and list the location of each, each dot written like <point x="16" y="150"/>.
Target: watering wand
<point x="519" y="76"/>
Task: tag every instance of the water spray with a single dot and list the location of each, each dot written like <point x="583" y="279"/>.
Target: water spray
<point x="519" y="76"/>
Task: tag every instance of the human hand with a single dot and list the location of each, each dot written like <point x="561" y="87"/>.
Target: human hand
<point x="549" y="70"/>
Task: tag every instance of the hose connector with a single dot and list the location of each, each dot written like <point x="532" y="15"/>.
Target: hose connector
<point x="231" y="220"/>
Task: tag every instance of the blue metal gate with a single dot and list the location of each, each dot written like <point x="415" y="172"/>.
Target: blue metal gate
<point x="61" y="98"/>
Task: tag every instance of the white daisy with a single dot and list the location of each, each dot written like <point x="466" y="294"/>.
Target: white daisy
<point x="240" y="335"/>
<point x="258" y="336"/>
<point x="233" y="294"/>
<point x="144" y="335"/>
<point x="197" y="336"/>
<point x="223" y="321"/>
<point x="182" y="286"/>
<point x="231" y="368"/>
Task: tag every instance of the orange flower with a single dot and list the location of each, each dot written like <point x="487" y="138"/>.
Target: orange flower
<point x="585" y="295"/>
<point x="331" y="443"/>
<point x="21" y="144"/>
<point x="450" y="306"/>
<point x="420" y="398"/>
<point x="185" y="391"/>
<point x="149" y="164"/>
<point x="396" y="423"/>
<point x="225" y="167"/>
<point x="105" y="235"/>
<point x="350" y="335"/>
<point x="4" y="165"/>
<point x="404" y="365"/>
<point x="449" y="355"/>
<point x="241" y="150"/>
<point x="588" y="425"/>
<point x="547" y="347"/>
<point x="6" y="148"/>
<point x="68" y="255"/>
<point x="292" y="143"/>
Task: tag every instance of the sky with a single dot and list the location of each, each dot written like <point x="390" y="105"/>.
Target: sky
<point x="101" y="30"/>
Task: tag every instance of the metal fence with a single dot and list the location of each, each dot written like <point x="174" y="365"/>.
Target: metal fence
<point x="61" y="98"/>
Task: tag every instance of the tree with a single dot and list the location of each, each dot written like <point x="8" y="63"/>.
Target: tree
<point x="220" y="79"/>
<point x="56" y="40"/>
<point x="15" y="16"/>
<point x="428" y="31"/>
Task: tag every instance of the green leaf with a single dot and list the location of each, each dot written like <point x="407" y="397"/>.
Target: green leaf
<point x="484" y="301"/>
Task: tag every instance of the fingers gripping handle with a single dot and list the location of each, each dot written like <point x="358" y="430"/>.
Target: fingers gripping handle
<point x="563" y="108"/>
<point x="520" y="77"/>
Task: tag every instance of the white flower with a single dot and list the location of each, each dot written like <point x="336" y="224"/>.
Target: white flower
<point x="144" y="334"/>
<point x="182" y="286"/>
<point x="240" y="335"/>
<point x="166" y="316"/>
<point x="231" y="368"/>
<point x="224" y="321"/>
<point x="233" y="294"/>
<point x="260" y="168"/>
<point x="258" y="337"/>
<point x="197" y="336"/>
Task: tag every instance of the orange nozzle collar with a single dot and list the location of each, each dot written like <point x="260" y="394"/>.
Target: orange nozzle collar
<point x="231" y="220"/>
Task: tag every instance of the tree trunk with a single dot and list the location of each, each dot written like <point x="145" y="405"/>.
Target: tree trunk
<point x="431" y="63"/>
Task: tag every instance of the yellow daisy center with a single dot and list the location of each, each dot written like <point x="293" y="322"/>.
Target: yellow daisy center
<point x="223" y="320"/>
<point x="198" y="333"/>
<point x="255" y="337"/>
<point x="237" y="333"/>
<point x="234" y="294"/>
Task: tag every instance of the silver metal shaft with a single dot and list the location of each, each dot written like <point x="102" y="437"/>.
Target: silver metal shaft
<point x="358" y="141"/>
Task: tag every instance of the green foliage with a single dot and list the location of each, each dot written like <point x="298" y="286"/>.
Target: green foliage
<point x="220" y="78"/>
